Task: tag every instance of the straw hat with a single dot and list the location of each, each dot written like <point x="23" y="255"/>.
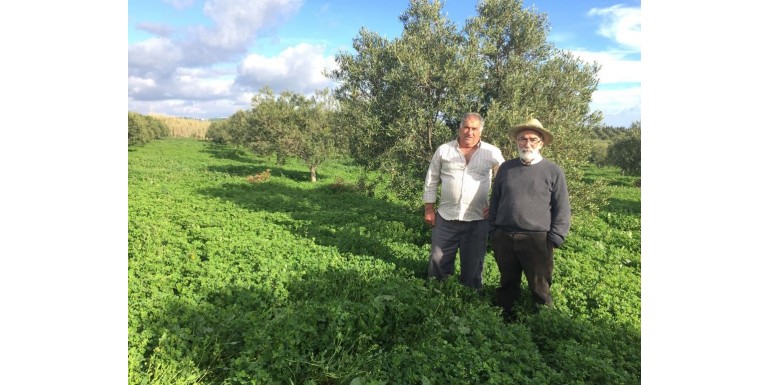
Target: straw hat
<point x="532" y="124"/>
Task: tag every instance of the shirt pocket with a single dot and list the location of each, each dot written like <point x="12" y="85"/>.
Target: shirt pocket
<point x="454" y="164"/>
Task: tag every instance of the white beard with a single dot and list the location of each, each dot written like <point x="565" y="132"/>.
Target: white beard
<point x="528" y="155"/>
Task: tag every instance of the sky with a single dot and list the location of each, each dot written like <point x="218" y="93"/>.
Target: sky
<point x="207" y="59"/>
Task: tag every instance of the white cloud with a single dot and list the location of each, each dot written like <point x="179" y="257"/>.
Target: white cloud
<point x="174" y="73"/>
<point x="138" y="85"/>
<point x="620" y="107"/>
<point x="158" y="29"/>
<point x="182" y="83"/>
<point x="198" y="84"/>
<point x="236" y="25"/>
<point x="243" y="99"/>
<point x="221" y="108"/>
<point x="619" y="95"/>
<point x="238" y="21"/>
<point x="204" y="92"/>
<point x="155" y="56"/>
<point x="179" y="4"/>
<point x="621" y="24"/>
<point x="615" y="67"/>
<point x="614" y="101"/>
<point x="297" y="68"/>
<point x="260" y="68"/>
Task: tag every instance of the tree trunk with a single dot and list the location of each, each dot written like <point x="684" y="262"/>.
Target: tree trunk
<point x="312" y="174"/>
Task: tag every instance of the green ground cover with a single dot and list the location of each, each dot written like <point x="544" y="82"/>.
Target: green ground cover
<point x="285" y="281"/>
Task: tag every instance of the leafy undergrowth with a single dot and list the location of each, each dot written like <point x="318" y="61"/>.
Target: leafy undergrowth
<point x="285" y="281"/>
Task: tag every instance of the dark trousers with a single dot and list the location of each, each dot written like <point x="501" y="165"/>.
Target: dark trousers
<point x="530" y="253"/>
<point x="470" y="237"/>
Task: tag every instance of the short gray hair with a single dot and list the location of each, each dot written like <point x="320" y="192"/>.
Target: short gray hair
<point x="473" y="115"/>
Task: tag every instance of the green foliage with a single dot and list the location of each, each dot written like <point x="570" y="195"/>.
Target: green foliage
<point x="611" y="175"/>
<point x="286" y="125"/>
<point x="142" y="129"/>
<point x="137" y="129"/>
<point x="598" y="154"/>
<point x="605" y="132"/>
<point x="625" y="151"/>
<point x="219" y="132"/>
<point x="287" y="281"/>
<point x="402" y="98"/>
<point x="601" y="138"/>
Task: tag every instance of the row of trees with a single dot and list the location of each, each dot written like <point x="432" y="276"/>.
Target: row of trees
<point x="143" y="128"/>
<point x="620" y="147"/>
<point x="625" y="151"/>
<point x="288" y="124"/>
<point x="608" y="132"/>
<point x="399" y="99"/>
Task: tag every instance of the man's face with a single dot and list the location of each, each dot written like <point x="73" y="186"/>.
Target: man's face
<point x="529" y="144"/>
<point x="470" y="132"/>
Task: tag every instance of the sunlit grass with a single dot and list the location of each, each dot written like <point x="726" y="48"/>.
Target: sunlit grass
<point x="288" y="281"/>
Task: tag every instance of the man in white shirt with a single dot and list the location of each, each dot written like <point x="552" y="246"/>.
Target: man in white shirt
<point x="464" y="167"/>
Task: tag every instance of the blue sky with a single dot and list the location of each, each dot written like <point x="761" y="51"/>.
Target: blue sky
<point x="207" y="59"/>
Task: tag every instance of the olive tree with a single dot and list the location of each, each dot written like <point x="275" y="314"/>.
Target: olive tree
<point x="314" y="138"/>
<point x="288" y="124"/>
<point x="230" y="131"/>
<point x="143" y="129"/>
<point x="401" y="99"/>
<point x="404" y="97"/>
<point x="625" y="151"/>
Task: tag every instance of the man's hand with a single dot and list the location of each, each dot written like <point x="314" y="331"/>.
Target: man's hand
<point x="485" y="212"/>
<point x="430" y="215"/>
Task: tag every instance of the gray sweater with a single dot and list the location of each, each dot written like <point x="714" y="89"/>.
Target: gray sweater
<point x="530" y="199"/>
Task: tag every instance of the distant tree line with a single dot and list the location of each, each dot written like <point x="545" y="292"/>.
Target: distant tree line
<point x="618" y="146"/>
<point x="142" y="129"/>
<point x="606" y="132"/>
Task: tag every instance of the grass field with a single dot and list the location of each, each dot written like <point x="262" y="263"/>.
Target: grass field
<point x="240" y="279"/>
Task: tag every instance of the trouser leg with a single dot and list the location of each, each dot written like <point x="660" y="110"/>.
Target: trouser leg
<point x="510" y="270"/>
<point x="473" y="249"/>
<point x="445" y="240"/>
<point x="537" y="262"/>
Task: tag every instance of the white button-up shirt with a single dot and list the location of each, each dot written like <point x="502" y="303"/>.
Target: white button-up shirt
<point x="464" y="185"/>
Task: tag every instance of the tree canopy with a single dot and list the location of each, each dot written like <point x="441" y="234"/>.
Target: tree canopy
<point x="288" y="124"/>
<point x="143" y="129"/>
<point x="626" y="150"/>
<point x="402" y="98"/>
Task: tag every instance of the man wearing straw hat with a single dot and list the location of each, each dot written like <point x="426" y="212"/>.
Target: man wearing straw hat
<point x="529" y="216"/>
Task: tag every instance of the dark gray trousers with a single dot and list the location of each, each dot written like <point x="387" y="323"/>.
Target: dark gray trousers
<point x="470" y="237"/>
<point x="530" y="253"/>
